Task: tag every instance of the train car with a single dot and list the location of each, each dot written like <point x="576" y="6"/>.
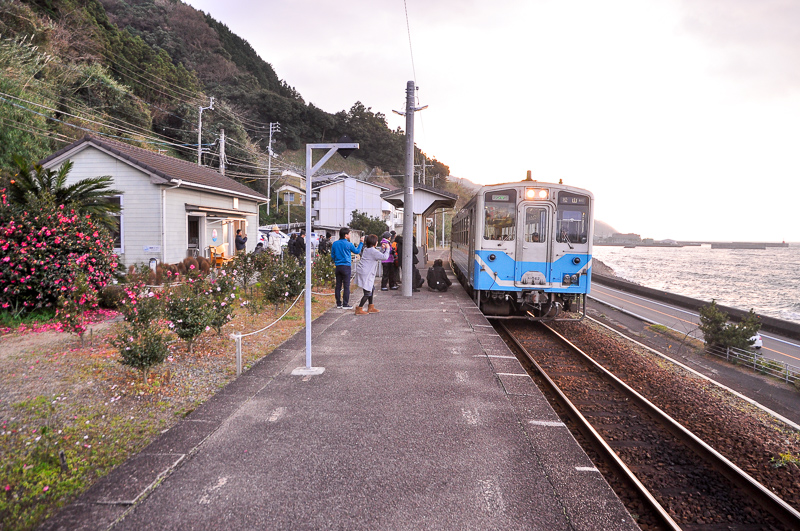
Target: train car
<point x="525" y="249"/>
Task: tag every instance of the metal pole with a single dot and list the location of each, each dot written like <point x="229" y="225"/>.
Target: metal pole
<point x="309" y="173"/>
<point x="442" y="228"/>
<point x="408" y="196"/>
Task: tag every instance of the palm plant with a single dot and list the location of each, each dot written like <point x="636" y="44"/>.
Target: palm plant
<point x="34" y="186"/>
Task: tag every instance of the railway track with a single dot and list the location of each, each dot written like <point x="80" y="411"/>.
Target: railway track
<point x="666" y="475"/>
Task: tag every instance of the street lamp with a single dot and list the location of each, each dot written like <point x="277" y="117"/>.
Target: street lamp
<point x="345" y="147"/>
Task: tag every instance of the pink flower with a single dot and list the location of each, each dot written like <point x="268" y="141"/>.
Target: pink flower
<point x="46" y="488"/>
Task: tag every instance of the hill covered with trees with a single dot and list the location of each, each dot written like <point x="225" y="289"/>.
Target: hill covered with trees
<point x="139" y="70"/>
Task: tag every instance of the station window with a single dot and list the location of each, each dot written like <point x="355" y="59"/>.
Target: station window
<point x="535" y="224"/>
<point x="500" y="211"/>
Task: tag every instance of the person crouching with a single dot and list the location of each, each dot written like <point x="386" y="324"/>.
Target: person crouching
<point x="437" y="277"/>
<point x="366" y="269"/>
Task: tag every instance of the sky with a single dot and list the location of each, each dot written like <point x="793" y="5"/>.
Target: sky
<point x="682" y="117"/>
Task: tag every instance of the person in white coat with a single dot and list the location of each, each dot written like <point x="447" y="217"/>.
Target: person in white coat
<point x="274" y="241"/>
<point x="366" y="269"/>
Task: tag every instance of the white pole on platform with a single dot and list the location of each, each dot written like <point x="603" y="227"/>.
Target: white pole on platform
<point x="347" y="148"/>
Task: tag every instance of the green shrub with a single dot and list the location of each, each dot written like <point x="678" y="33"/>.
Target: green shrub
<point x="141" y="347"/>
<point x="718" y="331"/>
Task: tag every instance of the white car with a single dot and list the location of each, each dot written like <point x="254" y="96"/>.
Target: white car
<point x="757" y="343"/>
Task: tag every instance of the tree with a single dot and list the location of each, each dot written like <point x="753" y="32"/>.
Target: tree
<point x="718" y="331"/>
<point x="33" y="186"/>
<point x="367" y="224"/>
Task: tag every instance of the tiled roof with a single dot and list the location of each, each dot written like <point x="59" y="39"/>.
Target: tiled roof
<point x="168" y="168"/>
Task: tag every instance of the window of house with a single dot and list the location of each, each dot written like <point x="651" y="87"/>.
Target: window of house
<point x="289" y="197"/>
<point x="117" y="233"/>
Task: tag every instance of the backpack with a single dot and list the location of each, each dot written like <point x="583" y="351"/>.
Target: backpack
<point x="290" y="247"/>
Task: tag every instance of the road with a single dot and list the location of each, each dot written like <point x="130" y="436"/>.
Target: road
<point x="685" y="321"/>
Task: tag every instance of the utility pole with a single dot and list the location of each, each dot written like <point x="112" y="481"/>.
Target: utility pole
<point x="274" y="127"/>
<point x="222" y="151"/>
<point x="408" y="195"/>
<point x="200" y="131"/>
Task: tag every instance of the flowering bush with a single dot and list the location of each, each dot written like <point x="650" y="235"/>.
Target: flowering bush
<point x="72" y="307"/>
<point x="188" y="310"/>
<point x="221" y="293"/>
<point x="141" y="342"/>
<point x="43" y="251"/>
<point x="140" y="305"/>
<point x="285" y="280"/>
<point x="323" y="272"/>
<point x="141" y="347"/>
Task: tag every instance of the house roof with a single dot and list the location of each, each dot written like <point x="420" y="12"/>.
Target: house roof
<point x="169" y="169"/>
<point x="333" y="178"/>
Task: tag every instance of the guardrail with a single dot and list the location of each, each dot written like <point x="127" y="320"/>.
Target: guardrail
<point x="778" y="369"/>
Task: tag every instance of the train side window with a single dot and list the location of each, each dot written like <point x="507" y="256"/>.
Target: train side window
<point x="535" y="225"/>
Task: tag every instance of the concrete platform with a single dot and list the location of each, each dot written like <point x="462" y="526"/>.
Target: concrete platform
<point x="423" y="419"/>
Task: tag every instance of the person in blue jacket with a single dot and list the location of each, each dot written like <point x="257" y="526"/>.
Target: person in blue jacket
<point x="341" y="253"/>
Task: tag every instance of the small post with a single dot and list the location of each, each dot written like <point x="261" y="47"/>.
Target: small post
<point x="63" y="459"/>
<point x="238" y="338"/>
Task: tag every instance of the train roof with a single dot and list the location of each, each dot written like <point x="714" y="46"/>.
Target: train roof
<point x="526" y="182"/>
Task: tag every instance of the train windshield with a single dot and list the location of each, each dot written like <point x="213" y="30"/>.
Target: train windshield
<point x="572" y="218"/>
<point x="535" y="224"/>
<point x="500" y="215"/>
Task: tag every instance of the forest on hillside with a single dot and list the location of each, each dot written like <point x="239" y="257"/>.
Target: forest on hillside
<point x="140" y="70"/>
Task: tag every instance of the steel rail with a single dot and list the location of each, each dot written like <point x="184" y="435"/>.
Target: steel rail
<point x="769" y="501"/>
<point x="588" y="430"/>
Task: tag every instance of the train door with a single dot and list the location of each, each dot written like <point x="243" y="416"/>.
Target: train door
<point x="533" y="245"/>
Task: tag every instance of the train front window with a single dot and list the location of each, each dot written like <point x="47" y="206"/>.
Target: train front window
<point x="500" y="215"/>
<point x="572" y="218"/>
<point x="535" y="225"/>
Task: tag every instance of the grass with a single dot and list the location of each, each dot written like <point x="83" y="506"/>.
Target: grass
<point x="59" y="399"/>
<point x="785" y="459"/>
<point x="13" y="320"/>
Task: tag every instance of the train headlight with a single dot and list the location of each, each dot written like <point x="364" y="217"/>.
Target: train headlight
<point x="566" y="280"/>
<point x="574" y="279"/>
<point x="538" y="194"/>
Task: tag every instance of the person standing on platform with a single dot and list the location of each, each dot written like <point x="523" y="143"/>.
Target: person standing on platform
<point x="366" y="270"/>
<point x="342" y="252"/>
<point x="240" y="241"/>
<point x="389" y="277"/>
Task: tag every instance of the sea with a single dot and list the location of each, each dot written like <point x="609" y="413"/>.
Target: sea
<point x="766" y="280"/>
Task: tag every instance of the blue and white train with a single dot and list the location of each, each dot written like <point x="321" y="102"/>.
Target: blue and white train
<point x="525" y="249"/>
